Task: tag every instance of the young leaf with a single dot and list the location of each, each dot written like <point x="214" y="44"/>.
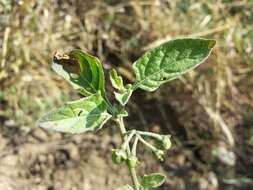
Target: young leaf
<point x="86" y="114"/>
<point x="169" y="60"/>
<point x="125" y="187"/>
<point x="83" y="71"/>
<point x="151" y="181"/>
<point x="116" y="80"/>
<point x="124" y="96"/>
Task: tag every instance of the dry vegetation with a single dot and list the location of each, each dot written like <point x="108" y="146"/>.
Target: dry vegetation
<point x="209" y="112"/>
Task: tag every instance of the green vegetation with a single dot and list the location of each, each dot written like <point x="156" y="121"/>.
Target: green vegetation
<point x="162" y="64"/>
<point x="207" y="112"/>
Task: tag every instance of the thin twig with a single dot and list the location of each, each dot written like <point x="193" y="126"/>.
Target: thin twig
<point x="134" y="147"/>
<point x="151" y="147"/>
<point x="150" y="134"/>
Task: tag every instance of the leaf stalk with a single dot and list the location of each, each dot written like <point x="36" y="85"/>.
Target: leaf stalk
<point x="124" y="137"/>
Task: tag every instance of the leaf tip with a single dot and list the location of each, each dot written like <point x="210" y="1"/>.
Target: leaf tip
<point x="211" y="44"/>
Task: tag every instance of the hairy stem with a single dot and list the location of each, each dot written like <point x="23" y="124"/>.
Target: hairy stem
<point x="150" y="134"/>
<point x="135" y="145"/>
<point x="147" y="144"/>
<point x="124" y="137"/>
<point x="128" y="139"/>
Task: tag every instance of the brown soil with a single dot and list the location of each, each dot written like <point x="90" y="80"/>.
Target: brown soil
<point x="193" y="109"/>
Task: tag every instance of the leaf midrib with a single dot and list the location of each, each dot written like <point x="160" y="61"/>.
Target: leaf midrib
<point x="80" y="117"/>
<point x="137" y="83"/>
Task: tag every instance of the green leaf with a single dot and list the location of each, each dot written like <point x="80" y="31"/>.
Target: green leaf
<point x="169" y="60"/>
<point x="151" y="181"/>
<point x="83" y="71"/>
<point x="125" y="187"/>
<point x="86" y="114"/>
<point x="116" y="80"/>
<point x="124" y="96"/>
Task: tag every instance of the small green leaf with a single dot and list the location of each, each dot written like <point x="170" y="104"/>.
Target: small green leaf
<point x="170" y="60"/>
<point x="116" y="80"/>
<point x="82" y="70"/>
<point x="151" y="181"/>
<point x="125" y="187"/>
<point x="124" y="96"/>
<point x="86" y="114"/>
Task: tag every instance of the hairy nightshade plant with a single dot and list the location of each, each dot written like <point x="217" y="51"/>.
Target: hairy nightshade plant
<point x="85" y="73"/>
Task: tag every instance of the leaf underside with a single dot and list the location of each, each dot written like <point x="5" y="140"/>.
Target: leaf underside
<point x="169" y="60"/>
<point x="86" y="114"/>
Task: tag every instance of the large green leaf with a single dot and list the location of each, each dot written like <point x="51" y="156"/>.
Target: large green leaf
<point x="125" y="187"/>
<point x="82" y="70"/>
<point x="86" y="114"/>
<point x="151" y="181"/>
<point x="169" y="60"/>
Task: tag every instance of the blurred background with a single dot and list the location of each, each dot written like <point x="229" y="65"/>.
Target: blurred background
<point x="208" y="112"/>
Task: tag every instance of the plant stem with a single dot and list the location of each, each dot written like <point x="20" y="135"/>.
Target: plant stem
<point x="129" y="137"/>
<point x="150" y="134"/>
<point x="135" y="145"/>
<point x="147" y="144"/>
<point x="124" y="137"/>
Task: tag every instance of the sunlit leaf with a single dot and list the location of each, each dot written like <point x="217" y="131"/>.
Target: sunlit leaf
<point x="124" y="96"/>
<point x="116" y="80"/>
<point x="169" y="60"/>
<point x="86" y="114"/>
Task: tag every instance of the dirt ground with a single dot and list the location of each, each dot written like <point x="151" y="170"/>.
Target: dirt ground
<point x="48" y="161"/>
<point x="38" y="159"/>
<point x="208" y="112"/>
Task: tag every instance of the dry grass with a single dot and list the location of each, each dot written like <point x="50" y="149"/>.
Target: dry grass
<point x="210" y="103"/>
